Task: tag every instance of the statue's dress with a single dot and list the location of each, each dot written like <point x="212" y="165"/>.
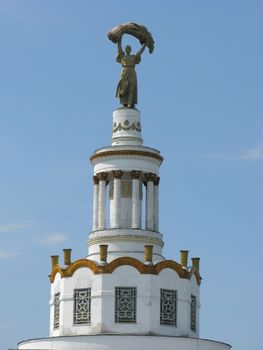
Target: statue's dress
<point x="127" y="86"/>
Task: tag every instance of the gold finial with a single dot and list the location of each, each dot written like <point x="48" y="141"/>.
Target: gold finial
<point x="148" y="254"/>
<point x="196" y="263"/>
<point x="103" y="253"/>
<point x="184" y="257"/>
<point x="67" y="256"/>
<point x="54" y="260"/>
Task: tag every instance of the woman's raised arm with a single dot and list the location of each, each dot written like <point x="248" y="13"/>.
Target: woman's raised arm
<point x="120" y="50"/>
<point x="141" y="50"/>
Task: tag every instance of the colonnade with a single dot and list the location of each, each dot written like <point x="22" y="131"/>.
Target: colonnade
<point x="150" y="180"/>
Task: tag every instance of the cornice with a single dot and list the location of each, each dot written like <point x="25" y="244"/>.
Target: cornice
<point x="124" y="261"/>
<point x="126" y="238"/>
<point x="117" y="153"/>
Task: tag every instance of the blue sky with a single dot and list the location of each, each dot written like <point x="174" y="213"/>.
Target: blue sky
<point x="200" y="95"/>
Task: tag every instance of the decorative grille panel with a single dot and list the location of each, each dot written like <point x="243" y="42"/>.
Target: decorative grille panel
<point x="56" y="310"/>
<point x="193" y="313"/>
<point x="168" y="307"/>
<point x="125" y="304"/>
<point x="82" y="303"/>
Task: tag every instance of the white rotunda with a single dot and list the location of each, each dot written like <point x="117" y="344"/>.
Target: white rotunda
<point x="125" y="294"/>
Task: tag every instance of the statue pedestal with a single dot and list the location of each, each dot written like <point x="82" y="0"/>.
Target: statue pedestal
<point x="126" y="127"/>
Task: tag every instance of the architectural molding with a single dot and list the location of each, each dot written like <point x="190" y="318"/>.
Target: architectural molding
<point x="119" y="153"/>
<point x="125" y="238"/>
<point x="125" y="261"/>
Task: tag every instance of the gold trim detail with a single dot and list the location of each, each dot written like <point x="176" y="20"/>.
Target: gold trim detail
<point x="103" y="252"/>
<point x="67" y="256"/>
<point x="196" y="263"/>
<point x="184" y="257"/>
<point x="124" y="261"/>
<point x="148" y="253"/>
<point x="126" y="153"/>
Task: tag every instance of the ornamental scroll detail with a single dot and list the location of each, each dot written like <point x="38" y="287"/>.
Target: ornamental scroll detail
<point x="127" y="126"/>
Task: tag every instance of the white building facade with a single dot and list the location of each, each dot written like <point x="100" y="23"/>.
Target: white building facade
<point x="125" y="294"/>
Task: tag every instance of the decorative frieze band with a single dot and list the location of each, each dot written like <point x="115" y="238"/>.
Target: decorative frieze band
<point x="127" y="126"/>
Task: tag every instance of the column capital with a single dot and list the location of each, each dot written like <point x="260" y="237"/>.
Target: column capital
<point x="149" y="177"/>
<point x="156" y="180"/>
<point x="95" y="180"/>
<point x="102" y="176"/>
<point x="135" y="174"/>
<point x="117" y="174"/>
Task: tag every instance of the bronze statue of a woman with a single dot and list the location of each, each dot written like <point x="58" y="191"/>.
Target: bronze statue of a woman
<point x="127" y="86"/>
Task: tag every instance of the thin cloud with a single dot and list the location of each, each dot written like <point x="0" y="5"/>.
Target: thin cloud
<point x="13" y="228"/>
<point x="31" y="12"/>
<point x="55" y="238"/>
<point x="5" y="254"/>
<point x="254" y="153"/>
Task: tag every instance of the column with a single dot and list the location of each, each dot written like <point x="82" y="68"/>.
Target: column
<point x="149" y="201"/>
<point x="116" y="217"/>
<point x="102" y="201"/>
<point x="95" y="202"/>
<point x="136" y="201"/>
<point x="156" y="203"/>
